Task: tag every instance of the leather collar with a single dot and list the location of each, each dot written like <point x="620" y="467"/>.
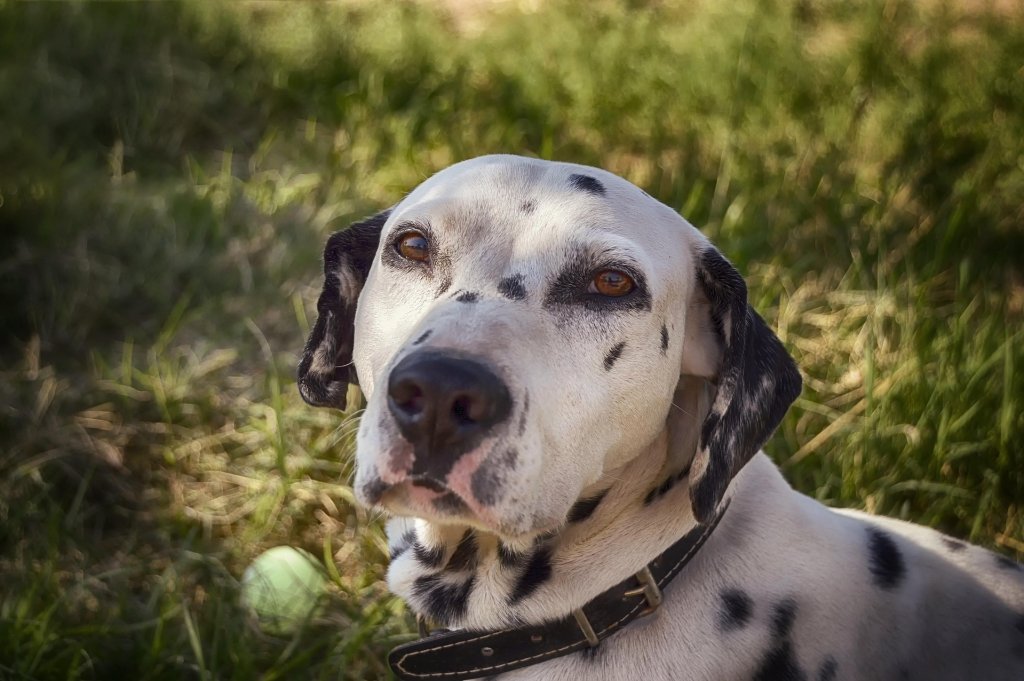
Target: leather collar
<point x="455" y="655"/>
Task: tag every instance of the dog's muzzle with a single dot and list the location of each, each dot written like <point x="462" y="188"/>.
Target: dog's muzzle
<point x="444" y="405"/>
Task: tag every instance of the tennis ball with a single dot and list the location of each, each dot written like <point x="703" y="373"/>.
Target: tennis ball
<point x="283" y="587"/>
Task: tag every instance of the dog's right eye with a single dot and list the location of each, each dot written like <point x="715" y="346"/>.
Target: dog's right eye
<point x="611" y="284"/>
<point x="413" y="246"/>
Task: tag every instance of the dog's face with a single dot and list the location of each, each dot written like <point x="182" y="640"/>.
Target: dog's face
<point x="521" y="327"/>
<point x="551" y="284"/>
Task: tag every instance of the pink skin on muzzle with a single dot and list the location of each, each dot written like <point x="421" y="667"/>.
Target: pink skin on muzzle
<point x="397" y="466"/>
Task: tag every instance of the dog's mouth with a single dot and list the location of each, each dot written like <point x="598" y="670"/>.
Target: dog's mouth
<point x="428" y="483"/>
<point x="438" y="485"/>
<point x="423" y="496"/>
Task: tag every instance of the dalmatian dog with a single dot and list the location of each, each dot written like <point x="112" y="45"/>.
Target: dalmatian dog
<point x="563" y="379"/>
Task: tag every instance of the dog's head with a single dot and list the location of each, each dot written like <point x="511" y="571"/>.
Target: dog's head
<point x="519" y="328"/>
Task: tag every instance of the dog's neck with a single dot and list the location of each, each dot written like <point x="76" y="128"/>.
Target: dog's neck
<point x="457" y="577"/>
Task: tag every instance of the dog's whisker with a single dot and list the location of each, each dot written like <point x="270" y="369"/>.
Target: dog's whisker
<point x="681" y="409"/>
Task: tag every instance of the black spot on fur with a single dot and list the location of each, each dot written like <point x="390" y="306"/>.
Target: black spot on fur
<point x="586" y="183"/>
<point x="584" y="508"/>
<point x="444" y="602"/>
<point x="430" y="557"/>
<point x="467" y="297"/>
<point x="828" y="669"/>
<point x="528" y="207"/>
<point x="373" y="489"/>
<point x="779" y="663"/>
<point x="537" y="572"/>
<point x="736" y="610"/>
<point x="486" y="483"/>
<point x="403" y="545"/>
<point x="424" y="336"/>
<point x="885" y="560"/>
<point x="509" y="557"/>
<point x="613" y="355"/>
<point x="489" y="477"/>
<point x="659" y="491"/>
<point x="465" y="556"/>
<point x="512" y="287"/>
<point x="783" y="617"/>
<point x="446" y="284"/>
<point x="1007" y="563"/>
<point x="953" y="545"/>
<point x="664" y="339"/>
<point x="450" y="503"/>
<point x="666" y="484"/>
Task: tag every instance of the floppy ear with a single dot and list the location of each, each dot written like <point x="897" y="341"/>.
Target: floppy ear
<point x="325" y="369"/>
<point x="727" y="343"/>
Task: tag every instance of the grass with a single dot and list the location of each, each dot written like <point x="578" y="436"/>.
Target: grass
<point x="168" y="173"/>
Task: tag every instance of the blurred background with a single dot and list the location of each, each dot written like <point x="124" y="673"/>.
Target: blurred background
<point x="169" y="172"/>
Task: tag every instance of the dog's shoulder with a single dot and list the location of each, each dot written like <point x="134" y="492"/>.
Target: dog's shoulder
<point x="891" y="594"/>
<point x="944" y="560"/>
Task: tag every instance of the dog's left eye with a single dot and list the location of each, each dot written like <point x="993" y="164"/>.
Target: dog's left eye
<point x="611" y="283"/>
<point x="413" y="246"/>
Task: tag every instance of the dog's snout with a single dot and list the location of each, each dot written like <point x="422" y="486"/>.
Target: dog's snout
<point x="444" y="404"/>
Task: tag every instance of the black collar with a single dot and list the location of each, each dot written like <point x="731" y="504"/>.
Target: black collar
<point x="459" y="655"/>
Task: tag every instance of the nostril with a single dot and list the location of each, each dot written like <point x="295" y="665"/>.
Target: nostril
<point x="470" y="409"/>
<point x="408" y="397"/>
<point x="462" y="411"/>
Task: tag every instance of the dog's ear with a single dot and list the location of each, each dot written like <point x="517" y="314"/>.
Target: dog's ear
<point x="754" y="378"/>
<point x="325" y="369"/>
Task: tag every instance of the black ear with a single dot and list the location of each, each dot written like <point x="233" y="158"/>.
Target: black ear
<point x="756" y="380"/>
<point x="325" y="369"/>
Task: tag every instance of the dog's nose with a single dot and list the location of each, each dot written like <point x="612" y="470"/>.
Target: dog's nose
<point x="444" y="405"/>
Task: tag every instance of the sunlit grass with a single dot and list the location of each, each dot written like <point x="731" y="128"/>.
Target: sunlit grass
<point x="169" y="171"/>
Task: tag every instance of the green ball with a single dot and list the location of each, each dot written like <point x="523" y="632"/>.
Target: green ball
<point x="283" y="587"/>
